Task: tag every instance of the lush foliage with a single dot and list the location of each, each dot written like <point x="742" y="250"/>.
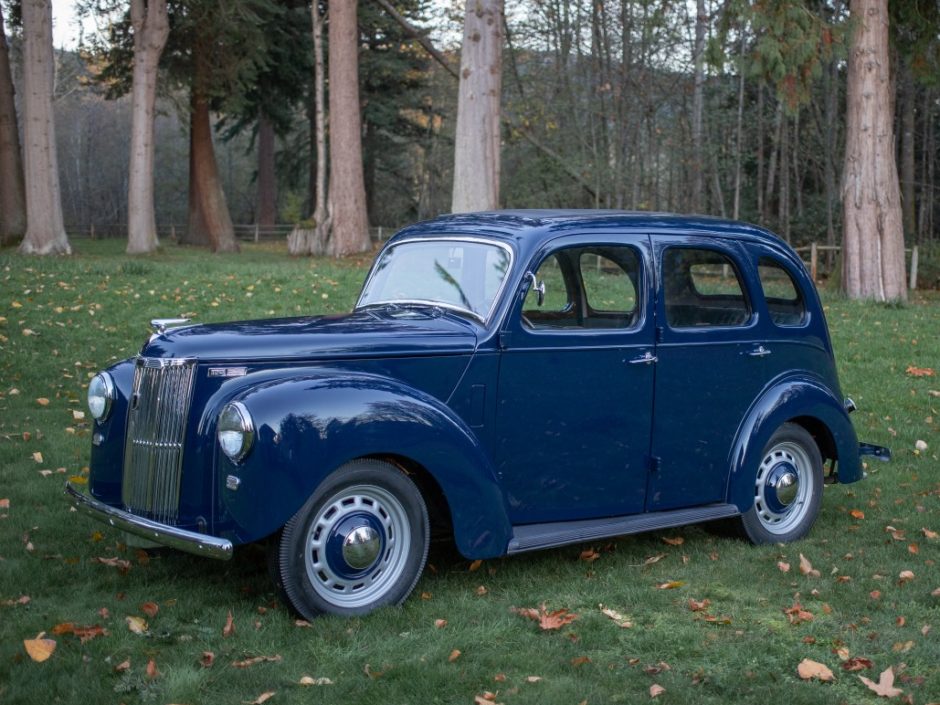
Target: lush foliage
<point x="708" y="619"/>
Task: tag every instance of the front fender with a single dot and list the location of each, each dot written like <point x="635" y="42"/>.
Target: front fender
<point x="787" y="399"/>
<point x="311" y="424"/>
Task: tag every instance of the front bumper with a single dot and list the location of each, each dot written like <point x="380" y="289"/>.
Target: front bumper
<point x="180" y="539"/>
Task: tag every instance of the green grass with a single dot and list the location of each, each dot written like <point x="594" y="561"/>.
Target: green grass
<point x="85" y="311"/>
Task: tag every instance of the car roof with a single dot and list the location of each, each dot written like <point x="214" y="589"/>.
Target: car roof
<point x="527" y="229"/>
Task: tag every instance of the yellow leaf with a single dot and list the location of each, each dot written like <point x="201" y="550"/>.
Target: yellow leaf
<point x="671" y="585"/>
<point x="809" y="669"/>
<point x="78" y="480"/>
<point x="39" y="649"/>
<point x="138" y="625"/>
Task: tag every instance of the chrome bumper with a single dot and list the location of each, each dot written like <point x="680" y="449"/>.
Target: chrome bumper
<point x="180" y="539"/>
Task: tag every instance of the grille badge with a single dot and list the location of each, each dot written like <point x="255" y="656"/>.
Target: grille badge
<point x="228" y="371"/>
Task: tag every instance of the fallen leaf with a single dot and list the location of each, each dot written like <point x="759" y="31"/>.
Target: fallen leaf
<point x="621" y="621"/>
<point x="919" y="371"/>
<point x="40" y="648"/>
<point x="654" y="559"/>
<point x="303" y="623"/>
<point x="487" y="698"/>
<point x="208" y="658"/>
<point x="152" y="671"/>
<point x="4" y="503"/>
<point x="547" y="620"/>
<point x="307" y="680"/>
<point x="248" y="662"/>
<point x="920" y="445"/>
<point x="136" y="624"/>
<point x="533" y="679"/>
<point x="673" y="540"/>
<point x="481" y="591"/>
<point x="875" y="594"/>
<point x="905" y="576"/>
<point x="589" y="555"/>
<point x="229" y="627"/>
<point x="928" y="533"/>
<point x="123" y="666"/>
<point x="150" y="609"/>
<point x="857" y="514"/>
<point x="806" y="568"/>
<point x="698" y="606"/>
<point x="656" y="690"/>
<point x="653" y="670"/>
<point x="580" y="660"/>
<point x="475" y="565"/>
<point x="809" y="669"/>
<point x="797" y="615"/>
<point x="857" y="663"/>
<point x="783" y="566"/>
<point x="913" y="548"/>
<point x="440" y="623"/>
<point x="454" y="655"/>
<point x="263" y="698"/>
<point x="671" y="585"/>
<point x="42" y="401"/>
<point x="935" y="593"/>
<point x="115" y="562"/>
<point x="885" y="685"/>
<point x="37" y="456"/>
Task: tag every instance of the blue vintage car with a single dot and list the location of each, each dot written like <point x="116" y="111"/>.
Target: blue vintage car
<point x="518" y="380"/>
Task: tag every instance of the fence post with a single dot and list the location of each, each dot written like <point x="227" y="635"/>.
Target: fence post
<point x="813" y="258"/>
<point x="172" y="232"/>
<point x="913" y="278"/>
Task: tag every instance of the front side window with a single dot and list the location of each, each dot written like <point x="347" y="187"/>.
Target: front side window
<point x="781" y="293"/>
<point x="702" y="288"/>
<point x="455" y="274"/>
<point x="586" y="287"/>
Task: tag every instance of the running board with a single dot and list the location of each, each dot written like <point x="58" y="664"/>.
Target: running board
<point x="532" y="537"/>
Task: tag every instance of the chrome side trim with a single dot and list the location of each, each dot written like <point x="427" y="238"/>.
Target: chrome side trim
<point x="188" y="541"/>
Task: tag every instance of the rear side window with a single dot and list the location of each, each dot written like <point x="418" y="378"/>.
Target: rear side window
<point x="783" y="297"/>
<point x="702" y="288"/>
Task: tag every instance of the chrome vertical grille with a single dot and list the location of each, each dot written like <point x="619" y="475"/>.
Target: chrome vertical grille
<point x="156" y="429"/>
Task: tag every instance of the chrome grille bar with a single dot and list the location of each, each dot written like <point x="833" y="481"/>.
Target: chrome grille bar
<point x="156" y="430"/>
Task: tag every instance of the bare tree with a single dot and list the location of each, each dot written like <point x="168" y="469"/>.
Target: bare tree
<point x="698" y="106"/>
<point x="873" y="245"/>
<point x="151" y="28"/>
<point x="45" y="231"/>
<point x="12" y="198"/>
<point x="350" y="231"/>
<point x="477" y="148"/>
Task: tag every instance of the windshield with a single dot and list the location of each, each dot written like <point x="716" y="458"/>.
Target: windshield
<point x="458" y="274"/>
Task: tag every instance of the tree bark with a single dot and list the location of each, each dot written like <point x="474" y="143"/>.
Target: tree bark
<point x="12" y="195"/>
<point x="908" y="126"/>
<point x="873" y="242"/>
<point x="45" y="230"/>
<point x="208" y="211"/>
<point x="267" y="179"/>
<point x="151" y="28"/>
<point x="698" y="106"/>
<point x="350" y="231"/>
<point x="477" y="147"/>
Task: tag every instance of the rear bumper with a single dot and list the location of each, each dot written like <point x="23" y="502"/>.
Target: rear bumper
<point x="870" y="449"/>
<point x="180" y="539"/>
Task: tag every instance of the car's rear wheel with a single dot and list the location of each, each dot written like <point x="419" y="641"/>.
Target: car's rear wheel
<point x="788" y="487"/>
<point x="359" y="542"/>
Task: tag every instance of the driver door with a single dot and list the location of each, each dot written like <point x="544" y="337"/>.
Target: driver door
<point x="575" y="391"/>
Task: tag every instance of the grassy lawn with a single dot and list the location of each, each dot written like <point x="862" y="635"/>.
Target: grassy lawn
<point x="63" y="319"/>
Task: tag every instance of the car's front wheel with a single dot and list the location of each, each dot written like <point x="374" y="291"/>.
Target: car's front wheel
<point x="358" y="543"/>
<point x="788" y="487"/>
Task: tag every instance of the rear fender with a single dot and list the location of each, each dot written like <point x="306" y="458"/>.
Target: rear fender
<point x="308" y="426"/>
<point x="791" y="398"/>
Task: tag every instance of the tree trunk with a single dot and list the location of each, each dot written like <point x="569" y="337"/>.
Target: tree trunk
<point x="350" y="232"/>
<point x="313" y="241"/>
<point x="196" y="232"/>
<point x="698" y="107"/>
<point x="151" y="28"/>
<point x="45" y="230"/>
<point x="477" y="142"/>
<point x="267" y="180"/>
<point x="873" y="243"/>
<point x="908" y="122"/>
<point x="12" y="196"/>
<point x="208" y="211"/>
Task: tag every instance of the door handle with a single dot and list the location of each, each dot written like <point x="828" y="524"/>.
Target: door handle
<point x="646" y="359"/>
<point x="759" y="351"/>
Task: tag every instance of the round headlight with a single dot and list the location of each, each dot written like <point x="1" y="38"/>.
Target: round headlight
<point x="236" y="432"/>
<point x="100" y="396"/>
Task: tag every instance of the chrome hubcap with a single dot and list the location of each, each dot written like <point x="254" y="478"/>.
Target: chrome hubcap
<point x="782" y="486"/>
<point x="361" y="547"/>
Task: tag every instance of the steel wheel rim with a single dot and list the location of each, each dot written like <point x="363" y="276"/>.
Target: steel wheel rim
<point x="381" y="509"/>
<point x="782" y="521"/>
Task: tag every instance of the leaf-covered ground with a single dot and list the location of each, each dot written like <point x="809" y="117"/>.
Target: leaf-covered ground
<point x="682" y="616"/>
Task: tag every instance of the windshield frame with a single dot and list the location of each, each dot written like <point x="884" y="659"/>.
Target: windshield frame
<point x="442" y="304"/>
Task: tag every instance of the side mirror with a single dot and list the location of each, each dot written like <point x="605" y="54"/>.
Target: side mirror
<point x="537" y="286"/>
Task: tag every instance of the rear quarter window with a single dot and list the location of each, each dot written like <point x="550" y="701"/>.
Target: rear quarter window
<point x="784" y="300"/>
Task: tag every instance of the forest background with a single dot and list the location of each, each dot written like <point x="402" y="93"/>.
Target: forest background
<point x="726" y="107"/>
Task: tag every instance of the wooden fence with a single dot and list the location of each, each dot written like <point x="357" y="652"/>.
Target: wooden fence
<point x="813" y="249"/>
<point x="251" y="232"/>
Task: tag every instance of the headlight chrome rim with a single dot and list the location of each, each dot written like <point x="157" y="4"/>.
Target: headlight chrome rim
<point x="235" y="419"/>
<point x="101" y="387"/>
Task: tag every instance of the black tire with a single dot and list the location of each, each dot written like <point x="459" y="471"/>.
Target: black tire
<point x="788" y="487"/>
<point x="358" y="543"/>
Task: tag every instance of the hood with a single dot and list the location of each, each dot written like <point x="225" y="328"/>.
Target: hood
<point x="378" y="332"/>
